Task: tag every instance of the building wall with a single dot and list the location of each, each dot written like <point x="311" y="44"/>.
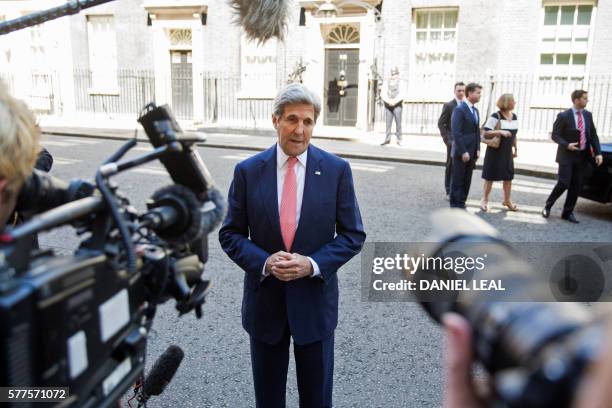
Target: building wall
<point x="134" y="37"/>
<point x="601" y="54"/>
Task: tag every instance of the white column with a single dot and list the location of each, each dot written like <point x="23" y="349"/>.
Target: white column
<point x="366" y="49"/>
<point x="197" y="65"/>
<point x="314" y="76"/>
<point x="161" y="58"/>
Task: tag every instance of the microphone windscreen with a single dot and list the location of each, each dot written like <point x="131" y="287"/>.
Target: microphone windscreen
<point x="163" y="370"/>
<point x="262" y="19"/>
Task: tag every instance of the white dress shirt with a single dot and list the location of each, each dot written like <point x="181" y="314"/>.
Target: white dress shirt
<point x="300" y="176"/>
<point x="472" y="110"/>
<point x="575" y="111"/>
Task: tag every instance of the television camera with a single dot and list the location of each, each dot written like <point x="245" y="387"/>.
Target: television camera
<point x="81" y="320"/>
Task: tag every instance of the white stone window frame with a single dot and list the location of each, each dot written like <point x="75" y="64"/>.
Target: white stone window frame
<point x="554" y="94"/>
<point x="420" y="80"/>
<point x="103" y="65"/>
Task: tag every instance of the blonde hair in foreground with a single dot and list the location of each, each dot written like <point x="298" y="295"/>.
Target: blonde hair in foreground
<point x="19" y="140"/>
<point x="503" y="103"/>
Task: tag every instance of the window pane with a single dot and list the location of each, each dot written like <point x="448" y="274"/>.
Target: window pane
<point x="421" y="19"/>
<point x="546" y="59"/>
<point x="450" y="19"/>
<point x="567" y="15"/>
<point x="550" y="15"/>
<point x="584" y="15"/>
<point x="449" y="35"/>
<point x="435" y="35"/>
<point x="579" y="59"/>
<point x="563" y="59"/>
<point x="421" y="37"/>
<point x="436" y="19"/>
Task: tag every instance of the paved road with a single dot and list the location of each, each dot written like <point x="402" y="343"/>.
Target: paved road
<point x="387" y="354"/>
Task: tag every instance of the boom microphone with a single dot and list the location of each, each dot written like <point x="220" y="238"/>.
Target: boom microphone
<point x="163" y="370"/>
<point x="262" y="19"/>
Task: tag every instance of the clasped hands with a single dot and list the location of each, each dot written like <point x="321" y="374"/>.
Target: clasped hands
<point x="287" y="267"/>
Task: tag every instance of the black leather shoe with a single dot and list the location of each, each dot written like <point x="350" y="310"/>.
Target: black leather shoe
<point x="570" y="217"/>
<point x="384" y="143"/>
<point x="546" y="212"/>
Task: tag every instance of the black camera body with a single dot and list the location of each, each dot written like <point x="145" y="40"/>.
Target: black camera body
<point x="81" y="321"/>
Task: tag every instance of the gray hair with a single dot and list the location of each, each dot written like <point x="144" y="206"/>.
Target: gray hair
<point x="294" y="94"/>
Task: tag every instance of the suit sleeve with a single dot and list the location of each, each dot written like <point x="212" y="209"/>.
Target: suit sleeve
<point x="594" y="137"/>
<point x="457" y="131"/>
<point x="234" y="233"/>
<point x="443" y="121"/>
<point x="350" y="234"/>
<point x="558" y="130"/>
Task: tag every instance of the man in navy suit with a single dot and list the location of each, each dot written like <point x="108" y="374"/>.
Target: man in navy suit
<point x="444" y="124"/>
<point x="292" y="222"/>
<point x="573" y="157"/>
<point x="465" y="150"/>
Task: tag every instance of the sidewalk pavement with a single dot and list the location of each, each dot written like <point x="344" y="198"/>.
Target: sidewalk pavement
<point x="534" y="158"/>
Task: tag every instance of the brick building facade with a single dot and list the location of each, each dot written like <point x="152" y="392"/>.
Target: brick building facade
<point x="117" y="56"/>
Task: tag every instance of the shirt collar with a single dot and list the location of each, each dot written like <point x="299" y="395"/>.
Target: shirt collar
<point x="576" y="110"/>
<point x="459" y="101"/>
<point x="468" y="103"/>
<point x="281" y="157"/>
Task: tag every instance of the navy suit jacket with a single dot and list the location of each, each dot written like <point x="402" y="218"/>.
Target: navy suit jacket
<point x="330" y="231"/>
<point x="465" y="131"/>
<point x="566" y="123"/>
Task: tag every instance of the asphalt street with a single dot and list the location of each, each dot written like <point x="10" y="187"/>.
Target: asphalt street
<point x="388" y="354"/>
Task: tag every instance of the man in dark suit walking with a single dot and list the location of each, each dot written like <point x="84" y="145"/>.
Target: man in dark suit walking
<point x="465" y="130"/>
<point x="292" y="222"/>
<point x="573" y="157"/>
<point x="444" y="124"/>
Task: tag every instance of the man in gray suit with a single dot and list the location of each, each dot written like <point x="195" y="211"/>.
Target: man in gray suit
<point x="444" y="124"/>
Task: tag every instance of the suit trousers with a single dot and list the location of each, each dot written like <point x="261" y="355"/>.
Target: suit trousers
<point x="461" y="179"/>
<point x="393" y="113"/>
<point x="449" y="167"/>
<point x="314" y="365"/>
<point x="570" y="177"/>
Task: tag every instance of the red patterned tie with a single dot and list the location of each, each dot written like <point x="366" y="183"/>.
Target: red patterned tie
<point x="288" y="209"/>
<point x="581" y="127"/>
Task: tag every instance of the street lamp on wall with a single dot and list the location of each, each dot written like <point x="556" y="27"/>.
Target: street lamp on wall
<point x="327" y="10"/>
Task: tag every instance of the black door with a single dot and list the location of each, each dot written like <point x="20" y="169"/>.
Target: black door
<point x="182" y="84"/>
<point x="341" y="78"/>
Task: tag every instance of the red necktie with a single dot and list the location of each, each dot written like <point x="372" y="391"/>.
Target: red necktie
<point x="288" y="208"/>
<point x="581" y="127"/>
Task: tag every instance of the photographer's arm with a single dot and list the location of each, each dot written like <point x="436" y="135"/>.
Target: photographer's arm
<point x="42" y="192"/>
<point x="234" y="232"/>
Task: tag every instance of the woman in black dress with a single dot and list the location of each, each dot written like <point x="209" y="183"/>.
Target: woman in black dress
<point x="499" y="163"/>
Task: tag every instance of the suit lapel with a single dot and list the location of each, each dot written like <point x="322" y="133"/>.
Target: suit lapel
<point x="312" y="193"/>
<point x="268" y="190"/>
<point x="572" y="118"/>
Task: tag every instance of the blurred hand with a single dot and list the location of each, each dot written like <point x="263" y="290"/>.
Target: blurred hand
<point x="296" y="267"/>
<point x="465" y="157"/>
<point x="599" y="159"/>
<point x="573" y="147"/>
<point x="515" y="153"/>
<point x="459" y="389"/>
<point x="506" y="133"/>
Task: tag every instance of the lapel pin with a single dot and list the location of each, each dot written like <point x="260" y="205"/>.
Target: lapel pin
<point x="317" y="172"/>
